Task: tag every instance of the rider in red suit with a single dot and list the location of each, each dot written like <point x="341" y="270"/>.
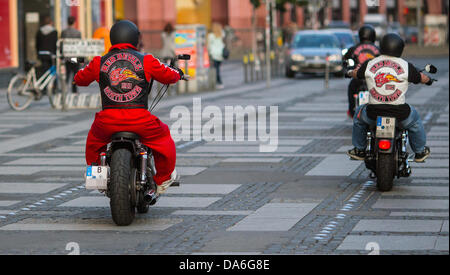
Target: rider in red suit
<point x="124" y="75"/>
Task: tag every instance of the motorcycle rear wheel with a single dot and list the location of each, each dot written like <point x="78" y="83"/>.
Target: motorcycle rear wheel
<point x="385" y="172"/>
<point x="121" y="203"/>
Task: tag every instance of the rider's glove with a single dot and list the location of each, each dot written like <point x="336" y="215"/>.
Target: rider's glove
<point x="180" y="72"/>
<point x="430" y="82"/>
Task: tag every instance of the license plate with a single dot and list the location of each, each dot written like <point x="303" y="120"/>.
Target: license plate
<point x="97" y="177"/>
<point x="385" y="127"/>
<point x="363" y="97"/>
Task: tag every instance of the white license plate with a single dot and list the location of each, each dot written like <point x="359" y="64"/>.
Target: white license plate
<point x="385" y="127"/>
<point x="363" y="97"/>
<point x="97" y="177"/>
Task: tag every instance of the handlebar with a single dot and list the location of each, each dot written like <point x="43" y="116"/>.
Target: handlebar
<point x="173" y="61"/>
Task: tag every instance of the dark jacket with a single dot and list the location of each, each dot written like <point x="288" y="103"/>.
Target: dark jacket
<point x="46" y="39"/>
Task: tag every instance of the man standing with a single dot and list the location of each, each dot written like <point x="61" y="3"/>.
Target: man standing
<point x="71" y="68"/>
<point x="46" y="40"/>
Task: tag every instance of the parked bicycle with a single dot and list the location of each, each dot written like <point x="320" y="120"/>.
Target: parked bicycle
<point x="24" y="88"/>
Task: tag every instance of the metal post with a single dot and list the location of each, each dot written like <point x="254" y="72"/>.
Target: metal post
<point x="245" y="64"/>
<point x="327" y="72"/>
<point x="61" y="75"/>
<point x="419" y="22"/>
<point x="186" y="69"/>
<point x="268" y="27"/>
<point x="252" y="67"/>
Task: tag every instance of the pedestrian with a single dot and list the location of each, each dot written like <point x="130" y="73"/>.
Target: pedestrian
<point x="168" y="41"/>
<point x="46" y="39"/>
<point x="71" y="68"/>
<point x="216" y="47"/>
<point x="103" y="33"/>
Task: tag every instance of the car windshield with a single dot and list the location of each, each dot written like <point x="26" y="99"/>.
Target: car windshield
<point x="345" y="38"/>
<point x="315" y="41"/>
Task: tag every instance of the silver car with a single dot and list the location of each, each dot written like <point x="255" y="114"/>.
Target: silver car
<point x="309" y="51"/>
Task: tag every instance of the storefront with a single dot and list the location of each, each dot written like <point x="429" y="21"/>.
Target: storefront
<point x="8" y="31"/>
<point x="20" y="20"/>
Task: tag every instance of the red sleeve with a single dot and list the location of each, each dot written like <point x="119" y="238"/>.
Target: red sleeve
<point x="90" y="73"/>
<point x="160" y="72"/>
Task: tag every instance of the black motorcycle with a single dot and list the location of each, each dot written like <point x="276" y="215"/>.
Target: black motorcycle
<point x="386" y="153"/>
<point x="127" y="169"/>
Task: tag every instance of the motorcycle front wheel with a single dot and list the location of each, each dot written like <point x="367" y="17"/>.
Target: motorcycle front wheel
<point x="121" y="203"/>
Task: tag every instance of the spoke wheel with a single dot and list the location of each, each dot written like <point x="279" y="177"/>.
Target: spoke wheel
<point x="19" y="96"/>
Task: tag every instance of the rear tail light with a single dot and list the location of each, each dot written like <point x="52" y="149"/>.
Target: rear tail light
<point x="384" y="144"/>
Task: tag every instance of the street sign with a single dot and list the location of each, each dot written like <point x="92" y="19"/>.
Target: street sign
<point x="82" y="47"/>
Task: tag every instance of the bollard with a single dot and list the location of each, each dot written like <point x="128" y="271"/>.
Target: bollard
<point x="272" y="59"/>
<point x="252" y="67"/>
<point x="327" y="72"/>
<point x="186" y="69"/>
<point x="245" y="63"/>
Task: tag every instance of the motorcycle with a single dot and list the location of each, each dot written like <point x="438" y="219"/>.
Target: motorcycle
<point x="386" y="153"/>
<point x="362" y="95"/>
<point x="126" y="171"/>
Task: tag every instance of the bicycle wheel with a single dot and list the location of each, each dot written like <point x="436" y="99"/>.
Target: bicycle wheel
<point x="19" y="96"/>
<point x="54" y="92"/>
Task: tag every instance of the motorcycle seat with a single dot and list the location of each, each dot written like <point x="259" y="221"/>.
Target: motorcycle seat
<point x="125" y="135"/>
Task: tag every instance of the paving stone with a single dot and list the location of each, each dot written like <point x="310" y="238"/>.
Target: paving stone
<point x="189" y="171"/>
<point x="8" y="203"/>
<point x="416" y="191"/>
<point x="239" y="149"/>
<point x="253" y="160"/>
<point x="148" y="225"/>
<point x="430" y="172"/>
<point x="445" y="227"/>
<point x="162" y="202"/>
<point x="431" y="163"/>
<point x="28" y="188"/>
<point x="410" y="204"/>
<point x="203" y="189"/>
<point x="48" y="161"/>
<point x="399" y="225"/>
<point x="211" y="213"/>
<point x="408" y="243"/>
<point x="442" y="243"/>
<point x="274" y="217"/>
<point x="338" y="165"/>
<point x="419" y="214"/>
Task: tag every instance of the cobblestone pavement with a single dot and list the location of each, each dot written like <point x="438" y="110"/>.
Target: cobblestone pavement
<point x="307" y="197"/>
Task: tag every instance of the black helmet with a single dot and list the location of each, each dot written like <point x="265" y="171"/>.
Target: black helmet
<point x="125" y="31"/>
<point x="367" y="33"/>
<point x="392" y="44"/>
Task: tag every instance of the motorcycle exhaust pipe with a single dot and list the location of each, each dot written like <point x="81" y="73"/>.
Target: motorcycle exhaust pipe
<point x="151" y="197"/>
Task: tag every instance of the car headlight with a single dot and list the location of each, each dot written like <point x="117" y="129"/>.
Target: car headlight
<point x="335" y="57"/>
<point x="298" y="57"/>
<point x="344" y="51"/>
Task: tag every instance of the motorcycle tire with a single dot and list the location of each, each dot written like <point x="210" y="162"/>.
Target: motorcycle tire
<point x="385" y="172"/>
<point x="142" y="207"/>
<point x="121" y="203"/>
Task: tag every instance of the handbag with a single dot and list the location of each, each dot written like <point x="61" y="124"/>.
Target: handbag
<point x="226" y="53"/>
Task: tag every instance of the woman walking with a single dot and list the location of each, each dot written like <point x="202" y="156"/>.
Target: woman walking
<point x="215" y="49"/>
<point x="168" y="40"/>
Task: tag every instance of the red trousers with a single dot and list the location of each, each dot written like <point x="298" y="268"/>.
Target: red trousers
<point x="154" y="134"/>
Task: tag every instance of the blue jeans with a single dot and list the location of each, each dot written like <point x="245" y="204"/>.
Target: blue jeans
<point x="413" y="124"/>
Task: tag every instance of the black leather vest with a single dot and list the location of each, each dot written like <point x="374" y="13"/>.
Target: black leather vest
<point x="365" y="51"/>
<point x="122" y="80"/>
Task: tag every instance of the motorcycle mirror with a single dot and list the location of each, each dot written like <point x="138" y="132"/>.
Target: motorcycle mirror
<point x="430" y="69"/>
<point x="184" y="57"/>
